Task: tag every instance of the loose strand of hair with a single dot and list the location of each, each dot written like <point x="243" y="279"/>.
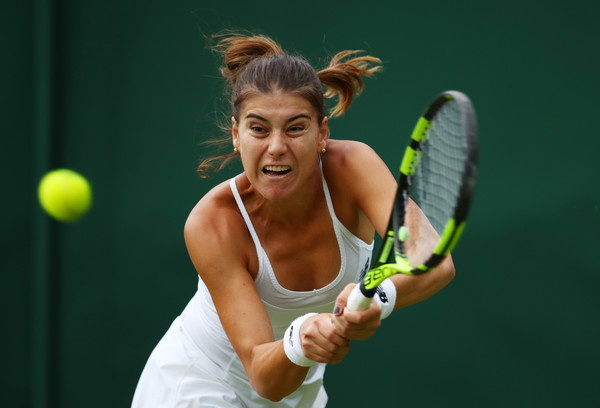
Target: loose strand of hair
<point x="344" y="77"/>
<point x="215" y="163"/>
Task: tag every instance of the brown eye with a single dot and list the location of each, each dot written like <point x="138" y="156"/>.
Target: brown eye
<point x="257" y="129"/>
<point x="296" y="129"/>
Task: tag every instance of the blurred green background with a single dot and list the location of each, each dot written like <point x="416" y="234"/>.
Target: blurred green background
<point x="125" y="91"/>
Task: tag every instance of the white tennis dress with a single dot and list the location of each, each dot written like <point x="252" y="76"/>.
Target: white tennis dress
<point x="195" y="365"/>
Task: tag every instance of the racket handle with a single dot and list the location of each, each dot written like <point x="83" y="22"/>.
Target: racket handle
<point x="358" y="301"/>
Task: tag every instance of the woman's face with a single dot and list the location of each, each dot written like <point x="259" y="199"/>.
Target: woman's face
<point x="279" y="138"/>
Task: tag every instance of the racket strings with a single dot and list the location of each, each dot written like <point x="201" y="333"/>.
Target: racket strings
<point x="436" y="185"/>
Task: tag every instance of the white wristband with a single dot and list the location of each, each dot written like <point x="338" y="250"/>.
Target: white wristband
<point x="386" y="297"/>
<point x="292" y="344"/>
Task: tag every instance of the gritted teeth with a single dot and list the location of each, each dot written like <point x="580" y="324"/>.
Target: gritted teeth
<point x="277" y="169"/>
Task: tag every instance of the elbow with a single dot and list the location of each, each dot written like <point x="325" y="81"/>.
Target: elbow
<point x="442" y="275"/>
<point x="269" y="392"/>
<point x="449" y="272"/>
<point x="270" y="388"/>
<point x="271" y="374"/>
<point x="450" y="275"/>
<point x="275" y="389"/>
<point x="273" y="398"/>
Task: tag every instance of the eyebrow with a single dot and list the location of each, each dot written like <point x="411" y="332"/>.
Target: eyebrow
<point x="293" y="118"/>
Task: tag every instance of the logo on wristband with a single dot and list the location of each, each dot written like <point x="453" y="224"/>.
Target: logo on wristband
<point x="382" y="295"/>
<point x="291" y="334"/>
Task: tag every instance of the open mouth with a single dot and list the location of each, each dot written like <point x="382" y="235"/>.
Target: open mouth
<point x="276" y="170"/>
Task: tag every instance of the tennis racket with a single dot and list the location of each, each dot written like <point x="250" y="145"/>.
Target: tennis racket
<point x="438" y="173"/>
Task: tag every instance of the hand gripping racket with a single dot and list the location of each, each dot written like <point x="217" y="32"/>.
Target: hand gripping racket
<point x="438" y="173"/>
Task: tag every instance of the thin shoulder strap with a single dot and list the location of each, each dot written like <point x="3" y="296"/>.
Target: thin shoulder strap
<point x="247" y="220"/>
<point x="327" y="195"/>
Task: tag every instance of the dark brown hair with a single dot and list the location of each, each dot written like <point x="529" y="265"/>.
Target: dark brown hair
<point x="255" y="64"/>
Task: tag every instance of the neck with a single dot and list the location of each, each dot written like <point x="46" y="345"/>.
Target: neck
<point x="293" y="210"/>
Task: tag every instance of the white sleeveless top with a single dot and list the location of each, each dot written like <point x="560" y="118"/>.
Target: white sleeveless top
<point x="285" y="305"/>
<point x="201" y="321"/>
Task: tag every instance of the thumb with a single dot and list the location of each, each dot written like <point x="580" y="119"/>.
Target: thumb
<point x="342" y="299"/>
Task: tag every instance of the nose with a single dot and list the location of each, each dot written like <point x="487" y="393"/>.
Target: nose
<point x="277" y="144"/>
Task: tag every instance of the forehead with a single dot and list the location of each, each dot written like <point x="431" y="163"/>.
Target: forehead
<point x="277" y="106"/>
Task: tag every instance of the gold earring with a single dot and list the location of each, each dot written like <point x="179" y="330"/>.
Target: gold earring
<point x="235" y="150"/>
<point x="323" y="150"/>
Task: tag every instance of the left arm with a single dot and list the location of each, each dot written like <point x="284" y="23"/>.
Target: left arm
<point x="372" y="189"/>
<point x="413" y="289"/>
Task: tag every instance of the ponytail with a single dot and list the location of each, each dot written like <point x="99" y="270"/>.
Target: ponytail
<point x="239" y="50"/>
<point x="343" y="78"/>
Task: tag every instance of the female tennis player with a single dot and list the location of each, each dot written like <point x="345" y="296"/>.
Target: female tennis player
<point x="280" y="246"/>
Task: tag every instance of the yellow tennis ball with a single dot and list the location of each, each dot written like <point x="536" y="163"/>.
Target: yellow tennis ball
<point x="65" y="194"/>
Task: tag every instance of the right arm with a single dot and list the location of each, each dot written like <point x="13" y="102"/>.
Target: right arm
<point x="221" y="250"/>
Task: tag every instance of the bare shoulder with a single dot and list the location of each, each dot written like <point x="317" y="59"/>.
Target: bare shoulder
<point x="217" y="204"/>
<point x="361" y="186"/>
<point x="215" y="232"/>
<point x="348" y="154"/>
<point x="353" y="165"/>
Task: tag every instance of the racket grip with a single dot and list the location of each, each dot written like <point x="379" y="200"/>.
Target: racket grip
<point x="358" y="301"/>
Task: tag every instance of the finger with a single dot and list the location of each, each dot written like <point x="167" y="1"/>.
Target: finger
<point x="326" y="352"/>
<point x="342" y="299"/>
<point x="341" y="325"/>
<point x="324" y="344"/>
<point x="373" y="312"/>
<point x="358" y="324"/>
<point x="333" y="335"/>
<point x="338" y="325"/>
<point x="324" y="356"/>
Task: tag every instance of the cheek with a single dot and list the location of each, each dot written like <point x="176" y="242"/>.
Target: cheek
<point x="308" y="146"/>
<point x="249" y="154"/>
<point x="248" y="145"/>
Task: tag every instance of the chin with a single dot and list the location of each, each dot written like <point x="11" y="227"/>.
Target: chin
<point x="274" y="194"/>
<point x="275" y="191"/>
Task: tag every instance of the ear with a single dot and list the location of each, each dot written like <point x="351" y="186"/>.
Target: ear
<point x="323" y="133"/>
<point x="235" y="133"/>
